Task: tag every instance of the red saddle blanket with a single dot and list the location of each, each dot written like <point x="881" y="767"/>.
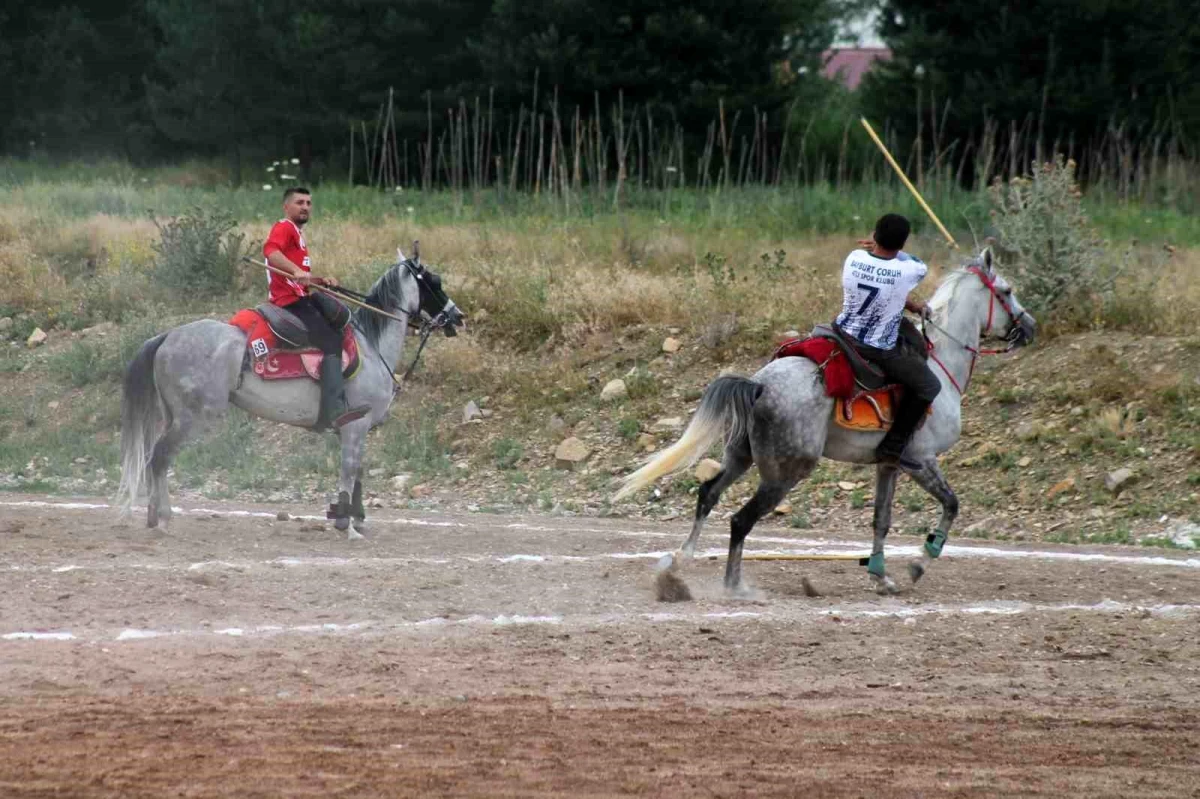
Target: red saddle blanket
<point x="835" y="368"/>
<point x="858" y="408"/>
<point x="270" y="362"/>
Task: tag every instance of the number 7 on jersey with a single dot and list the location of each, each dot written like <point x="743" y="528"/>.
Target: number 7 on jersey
<point x="872" y="293"/>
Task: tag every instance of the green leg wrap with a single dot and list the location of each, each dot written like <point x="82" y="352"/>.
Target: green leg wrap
<point x="934" y="543"/>
<point x="875" y="565"/>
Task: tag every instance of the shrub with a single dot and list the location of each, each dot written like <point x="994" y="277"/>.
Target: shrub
<point x="1059" y="258"/>
<point x="507" y="452"/>
<point x="200" y="251"/>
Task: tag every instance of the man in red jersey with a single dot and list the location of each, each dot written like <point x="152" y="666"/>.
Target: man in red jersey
<point x="325" y="318"/>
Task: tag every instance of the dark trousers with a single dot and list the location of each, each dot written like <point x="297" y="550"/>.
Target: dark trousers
<point x="904" y="366"/>
<point x="315" y="312"/>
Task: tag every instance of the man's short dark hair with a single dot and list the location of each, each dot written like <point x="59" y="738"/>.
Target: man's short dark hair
<point x="891" y="231"/>
<point x="287" y="194"/>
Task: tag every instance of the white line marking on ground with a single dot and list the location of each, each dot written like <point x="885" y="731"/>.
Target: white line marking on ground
<point x="782" y="613"/>
<point x="898" y="551"/>
<point x="60" y="636"/>
<point x="797" y="545"/>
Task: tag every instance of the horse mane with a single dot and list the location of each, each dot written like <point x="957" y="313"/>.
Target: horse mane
<point x="945" y="291"/>
<point x="388" y="294"/>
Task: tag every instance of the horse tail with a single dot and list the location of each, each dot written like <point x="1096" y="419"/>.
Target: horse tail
<point x="725" y="407"/>
<point x="140" y="414"/>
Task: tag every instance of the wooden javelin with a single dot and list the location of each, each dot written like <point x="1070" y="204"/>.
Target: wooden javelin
<point x="813" y="556"/>
<point x="911" y="187"/>
<point x="335" y="294"/>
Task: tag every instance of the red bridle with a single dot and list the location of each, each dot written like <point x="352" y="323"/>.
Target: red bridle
<point x="995" y="297"/>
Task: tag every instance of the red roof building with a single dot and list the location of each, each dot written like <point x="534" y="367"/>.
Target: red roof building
<point x="849" y="64"/>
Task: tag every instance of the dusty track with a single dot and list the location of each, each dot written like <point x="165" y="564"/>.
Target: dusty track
<point x="468" y="655"/>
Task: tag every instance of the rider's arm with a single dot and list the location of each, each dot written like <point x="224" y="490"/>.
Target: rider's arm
<point x="278" y="260"/>
<point x="921" y="308"/>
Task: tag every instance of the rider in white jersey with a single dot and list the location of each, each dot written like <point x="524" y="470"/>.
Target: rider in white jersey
<point x="876" y="282"/>
<point x="875" y="292"/>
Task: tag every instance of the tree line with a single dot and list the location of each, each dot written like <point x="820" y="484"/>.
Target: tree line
<point x="157" y="81"/>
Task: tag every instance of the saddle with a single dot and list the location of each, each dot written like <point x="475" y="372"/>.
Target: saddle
<point x="865" y="397"/>
<point x="278" y="345"/>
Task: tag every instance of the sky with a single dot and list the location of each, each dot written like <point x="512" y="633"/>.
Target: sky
<point x="859" y="32"/>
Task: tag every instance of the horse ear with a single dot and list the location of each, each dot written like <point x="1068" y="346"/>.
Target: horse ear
<point x="400" y="254"/>
<point x="989" y="262"/>
<point x="417" y="251"/>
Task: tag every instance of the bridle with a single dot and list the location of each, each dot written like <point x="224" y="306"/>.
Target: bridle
<point x="1013" y="338"/>
<point x="427" y="323"/>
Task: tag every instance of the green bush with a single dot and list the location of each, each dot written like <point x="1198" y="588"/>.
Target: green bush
<point x="1062" y="268"/>
<point x="200" y="251"/>
<point x="507" y="452"/>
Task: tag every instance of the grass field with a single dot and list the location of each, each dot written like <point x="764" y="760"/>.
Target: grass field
<point x="563" y="293"/>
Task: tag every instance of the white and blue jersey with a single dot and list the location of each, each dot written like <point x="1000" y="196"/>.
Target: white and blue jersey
<point x="874" y="291"/>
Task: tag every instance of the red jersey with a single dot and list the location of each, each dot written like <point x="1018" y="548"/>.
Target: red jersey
<point x="286" y="238"/>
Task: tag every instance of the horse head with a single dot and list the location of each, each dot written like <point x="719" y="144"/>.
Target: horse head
<point x="434" y="306"/>
<point x="1011" y="322"/>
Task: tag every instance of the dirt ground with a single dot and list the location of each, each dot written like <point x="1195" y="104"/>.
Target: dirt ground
<point x="464" y="655"/>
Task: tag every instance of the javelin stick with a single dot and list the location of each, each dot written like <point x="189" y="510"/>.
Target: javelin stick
<point x="910" y="186"/>
<point x="337" y="295"/>
<point x="806" y="556"/>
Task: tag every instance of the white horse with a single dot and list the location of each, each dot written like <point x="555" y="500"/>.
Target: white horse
<point x="188" y="377"/>
<point x="781" y="419"/>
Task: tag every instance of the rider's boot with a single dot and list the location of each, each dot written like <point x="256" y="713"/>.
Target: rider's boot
<point x="891" y="451"/>
<point x="333" y="398"/>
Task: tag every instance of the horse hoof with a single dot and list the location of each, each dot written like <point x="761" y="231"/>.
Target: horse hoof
<point x="742" y="593"/>
<point x="342" y="523"/>
<point x="885" y="586"/>
<point x="354" y="535"/>
<point x="916" y="570"/>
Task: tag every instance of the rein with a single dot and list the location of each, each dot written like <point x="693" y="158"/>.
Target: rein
<point x="976" y="352"/>
<point x="426" y="328"/>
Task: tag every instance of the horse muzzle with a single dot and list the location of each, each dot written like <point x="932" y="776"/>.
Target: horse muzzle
<point x="452" y="319"/>
<point x="1024" y="331"/>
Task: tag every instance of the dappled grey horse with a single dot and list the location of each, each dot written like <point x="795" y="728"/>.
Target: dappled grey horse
<point x="781" y="419"/>
<point x="182" y="380"/>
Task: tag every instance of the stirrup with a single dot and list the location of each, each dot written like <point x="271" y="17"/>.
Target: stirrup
<point x="351" y="415"/>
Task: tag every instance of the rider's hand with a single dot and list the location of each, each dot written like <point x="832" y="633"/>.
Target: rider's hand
<point x="867" y="244"/>
<point x="331" y="282"/>
<point x="303" y="279"/>
<point x="926" y="311"/>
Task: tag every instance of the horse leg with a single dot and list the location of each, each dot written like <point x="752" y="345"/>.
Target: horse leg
<point x="358" y="513"/>
<point x="736" y="463"/>
<point x="934" y="482"/>
<point x="353" y="438"/>
<point x="769" y="494"/>
<point x="158" y="500"/>
<point x="885" y="490"/>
